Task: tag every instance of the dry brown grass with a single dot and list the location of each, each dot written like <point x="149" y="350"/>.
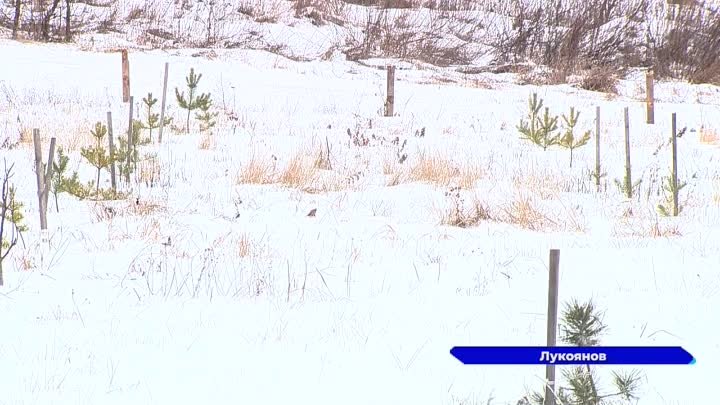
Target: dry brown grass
<point x="525" y="213"/>
<point x="300" y="173"/>
<point x="438" y="170"/>
<point x="257" y="171"/>
<point x="149" y="171"/>
<point x="26" y="136"/>
<point x="464" y="214"/>
<point x="244" y="246"/>
<point x="545" y="186"/>
<point x="207" y="142"/>
<point x="658" y="230"/>
<point x="708" y="136"/>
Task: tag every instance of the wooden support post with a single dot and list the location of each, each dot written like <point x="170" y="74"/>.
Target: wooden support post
<point x="162" y="104"/>
<point x="552" y="315"/>
<point x="597" y="147"/>
<point x="676" y="206"/>
<point x="111" y="146"/>
<point x="628" y="172"/>
<point x="125" y="76"/>
<point x="43" y="176"/>
<point x="390" y="100"/>
<point x="650" y="96"/>
<point x="130" y="146"/>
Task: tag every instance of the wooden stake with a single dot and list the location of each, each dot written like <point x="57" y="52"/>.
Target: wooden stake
<point x="111" y="145"/>
<point x="597" y="147"/>
<point x="676" y="206"/>
<point x="552" y="315"/>
<point x="43" y="176"/>
<point x="390" y="101"/>
<point x="628" y="173"/>
<point x="125" y="76"/>
<point x="130" y="142"/>
<point x="650" y="96"/>
<point x="162" y="104"/>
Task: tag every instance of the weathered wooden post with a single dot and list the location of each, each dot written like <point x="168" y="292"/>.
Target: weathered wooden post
<point x="597" y="147"/>
<point x="125" y="76"/>
<point x="552" y="315"/>
<point x="162" y="104"/>
<point x="130" y="144"/>
<point x="43" y="175"/>
<point x="650" y="96"/>
<point x="390" y="100"/>
<point x="628" y="171"/>
<point x="111" y="146"/>
<point x="676" y="206"/>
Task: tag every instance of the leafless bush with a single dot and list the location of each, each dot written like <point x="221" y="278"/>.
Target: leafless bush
<point x="687" y="45"/>
<point x="428" y="37"/>
<point x="599" y="79"/>
<point x="572" y="35"/>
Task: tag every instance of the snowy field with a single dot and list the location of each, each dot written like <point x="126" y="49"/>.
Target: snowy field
<point x="211" y="284"/>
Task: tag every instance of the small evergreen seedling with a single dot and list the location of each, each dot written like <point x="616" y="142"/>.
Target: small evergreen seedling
<point x="152" y="119"/>
<point x="190" y="102"/>
<point x="582" y="325"/>
<point x="568" y="140"/>
<point x="97" y="155"/>
<point x="538" y="129"/>
<point x="667" y="209"/>
<point x="124" y="149"/>
<point x="206" y="116"/>
<point x="626" y="187"/>
<point x="61" y="183"/>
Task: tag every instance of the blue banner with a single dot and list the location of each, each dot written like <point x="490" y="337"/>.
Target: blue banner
<point x="567" y="355"/>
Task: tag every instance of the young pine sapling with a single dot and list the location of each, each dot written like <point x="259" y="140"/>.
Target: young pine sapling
<point x="568" y="140"/>
<point x="190" y="102"/>
<point x="538" y="129"/>
<point x="97" y="155"/>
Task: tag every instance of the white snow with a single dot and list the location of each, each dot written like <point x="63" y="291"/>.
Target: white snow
<point x="254" y="302"/>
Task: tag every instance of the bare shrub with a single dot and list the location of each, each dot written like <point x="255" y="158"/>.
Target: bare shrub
<point x="571" y="35"/>
<point x="688" y="45"/>
<point x="599" y="79"/>
<point x="433" y="38"/>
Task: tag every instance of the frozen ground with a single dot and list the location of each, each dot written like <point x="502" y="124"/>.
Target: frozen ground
<point x="252" y="301"/>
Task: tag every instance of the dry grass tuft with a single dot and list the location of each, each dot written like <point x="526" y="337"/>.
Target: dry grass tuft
<point x="207" y="142"/>
<point x="300" y="173"/>
<point x="149" y="171"/>
<point x="26" y="136"/>
<point x="708" y="136"/>
<point x="440" y="171"/>
<point x="244" y="246"/>
<point x="466" y="217"/>
<point x="663" y="231"/>
<point x="546" y="187"/>
<point x="524" y="213"/>
<point x="257" y="171"/>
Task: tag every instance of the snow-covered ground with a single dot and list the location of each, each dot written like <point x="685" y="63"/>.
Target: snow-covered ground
<point x="253" y="301"/>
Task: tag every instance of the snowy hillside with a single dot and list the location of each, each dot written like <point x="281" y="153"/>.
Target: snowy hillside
<point x="307" y="249"/>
